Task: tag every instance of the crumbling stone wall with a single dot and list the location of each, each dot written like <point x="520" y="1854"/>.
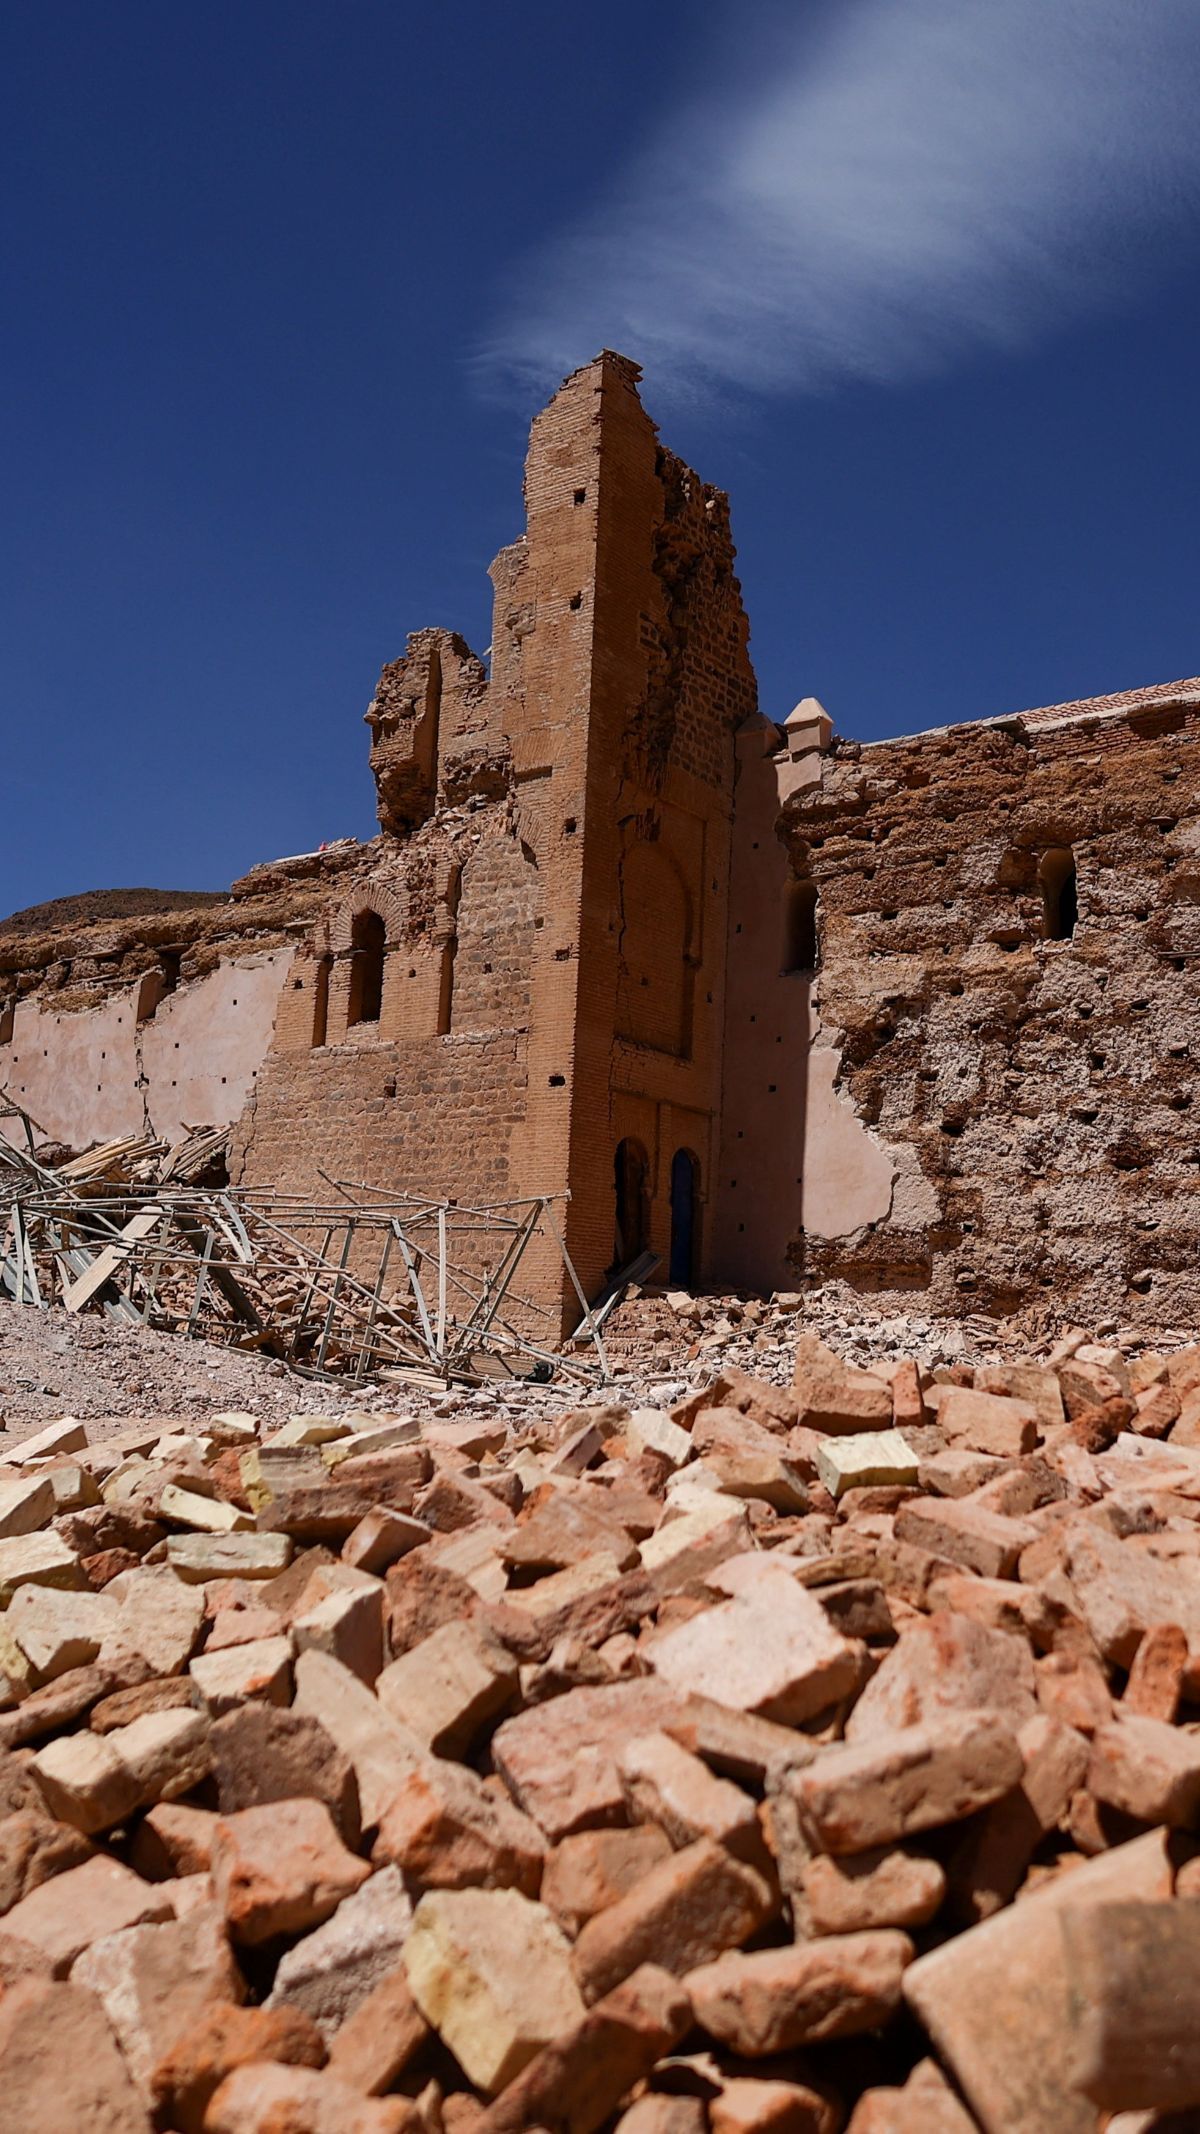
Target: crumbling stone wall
<point x="1047" y="1087"/>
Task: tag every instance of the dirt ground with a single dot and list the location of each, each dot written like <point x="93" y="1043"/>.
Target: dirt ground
<point x="658" y="1347"/>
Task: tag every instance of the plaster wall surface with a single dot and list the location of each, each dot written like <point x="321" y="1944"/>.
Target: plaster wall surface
<point x="99" y="1073"/>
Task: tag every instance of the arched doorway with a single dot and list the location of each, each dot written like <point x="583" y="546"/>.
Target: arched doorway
<point x="685" y="1227"/>
<point x="631" y="1178"/>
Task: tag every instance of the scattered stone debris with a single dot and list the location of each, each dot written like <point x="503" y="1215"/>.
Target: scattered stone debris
<point x="655" y="1765"/>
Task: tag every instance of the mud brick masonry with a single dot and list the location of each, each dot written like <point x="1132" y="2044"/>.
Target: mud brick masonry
<point x="919" y="1016"/>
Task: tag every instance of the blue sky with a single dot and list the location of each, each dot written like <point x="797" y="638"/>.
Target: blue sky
<point x="915" y="280"/>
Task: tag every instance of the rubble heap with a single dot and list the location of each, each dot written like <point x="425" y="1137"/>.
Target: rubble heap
<point x="787" y="1758"/>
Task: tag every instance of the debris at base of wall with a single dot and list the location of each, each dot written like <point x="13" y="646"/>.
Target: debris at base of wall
<point x="349" y="1289"/>
<point x="817" y="1755"/>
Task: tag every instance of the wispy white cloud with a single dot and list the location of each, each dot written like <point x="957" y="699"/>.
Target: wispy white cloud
<point x="881" y="190"/>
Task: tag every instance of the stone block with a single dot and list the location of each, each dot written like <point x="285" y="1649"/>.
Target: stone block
<point x="381" y="1538"/>
<point x="559" y="1761"/>
<point x="155" y="1981"/>
<point x="26" y="1505"/>
<point x="688" y="1544"/>
<point x="33" y="1848"/>
<point x="160" y="1621"/>
<point x="64" y="1916"/>
<point x="260" y="1671"/>
<point x="381" y="1750"/>
<point x="86" y="1782"/>
<point x="280" y="1869"/>
<point x="965" y="1532"/>
<point x="449" y="1686"/>
<point x="197" y="1558"/>
<point x="372" y="2047"/>
<point x="446" y="1829"/>
<point x="592" y="1869"/>
<point x="331" y="1971"/>
<point x="687" y="1910"/>
<point x="260" y="1754"/>
<point x="926" y="2105"/>
<point x="173" y="1838"/>
<point x="996" y="2001"/>
<point x="987" y="1422"/>
<point x="838" y="1401"/>
<point x="869" y="1459"/>
<point x="42" y="1559"/>
<point x="491" y="1972"/>
<point x="1157" y="1676"/>
<point x="949" y="1663"/>
<point x="777" y="1999"/>
<point x="220" y="2039"/>
<point x="268" y="2098"/>
<point x="665" y="1784"/>
<point x="60" y="2066"/>
<point x="771" y="1651"/>
<point x="888" y="1887"/>
<point x="1133" y="1986"/>
<point x="651" y="1430"/>
<point x="895" y="1785"/>
<point x="580" y="2079"/>
<point x="68" y="1434"/>
<point x="1124" y="1591"/>
<point x="202" y="1515"/>
<point x="1148" y="1769"/>
<point x="58" y="1629"/>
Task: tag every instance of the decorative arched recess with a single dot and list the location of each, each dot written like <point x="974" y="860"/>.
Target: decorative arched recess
<point x="656" y="967"/>
<point x="499" y="900"/>
<point x="373" y="896"/>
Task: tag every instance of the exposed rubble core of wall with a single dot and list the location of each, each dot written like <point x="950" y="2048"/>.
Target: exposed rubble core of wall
<point x="1009" y="932"/>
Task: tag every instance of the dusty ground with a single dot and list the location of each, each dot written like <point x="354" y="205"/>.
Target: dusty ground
<point x="53" y="1365"/>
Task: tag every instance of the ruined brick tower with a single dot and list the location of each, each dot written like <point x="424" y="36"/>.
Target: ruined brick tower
<point x="525" y="994"/>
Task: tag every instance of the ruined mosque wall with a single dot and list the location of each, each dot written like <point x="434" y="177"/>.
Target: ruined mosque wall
<point x="768" y="1005"/>
<point x="1009" y="946"/>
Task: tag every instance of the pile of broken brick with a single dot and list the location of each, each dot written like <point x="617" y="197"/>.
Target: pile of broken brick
<point x="791" y="1759"/>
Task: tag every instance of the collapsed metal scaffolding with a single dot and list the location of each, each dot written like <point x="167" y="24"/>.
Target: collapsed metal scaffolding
<point x="362" y="1284"/>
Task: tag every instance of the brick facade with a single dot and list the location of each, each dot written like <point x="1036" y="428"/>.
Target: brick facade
<point x="550" y="889"/>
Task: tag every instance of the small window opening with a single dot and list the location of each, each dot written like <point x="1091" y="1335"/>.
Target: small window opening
<point x="320" y="1021"/>
<point x="576" y="602"/>
<point x="368" y="944"/>
<point x="581" y="496"/>
<point x="685" y="1180"/>
<point x="1060" y="897"/>
<point x="7" y="1020"/>
<point x="801" y="941"/>
<point x="445" y="1013"/>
